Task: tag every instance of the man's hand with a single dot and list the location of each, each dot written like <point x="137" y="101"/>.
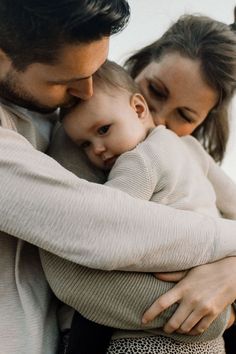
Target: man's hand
<point x="202" y="294"/>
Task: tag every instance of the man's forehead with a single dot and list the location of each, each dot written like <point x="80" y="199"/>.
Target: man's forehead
<point x="74" y="62"/>
<point x="85" y="56"/>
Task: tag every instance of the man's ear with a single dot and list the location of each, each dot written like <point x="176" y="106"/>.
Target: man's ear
<point x="4" y="56"/>
<point x="5" y="63"/>
<point x="139" y="104"/>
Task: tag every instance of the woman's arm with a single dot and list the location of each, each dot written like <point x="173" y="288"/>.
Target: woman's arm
<point x="200" y="304"/>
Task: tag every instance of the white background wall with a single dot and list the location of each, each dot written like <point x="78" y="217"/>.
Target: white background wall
<point x="150" y="18"/>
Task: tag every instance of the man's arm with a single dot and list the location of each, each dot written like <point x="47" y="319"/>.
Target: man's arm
<point x="46" y="205"/>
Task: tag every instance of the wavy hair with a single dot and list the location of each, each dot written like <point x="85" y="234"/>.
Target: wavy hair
<point x="35" y="30"/>
<point x="213" y="44"/>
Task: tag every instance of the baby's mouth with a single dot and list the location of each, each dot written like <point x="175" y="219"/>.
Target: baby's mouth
<point x="108" y="163"/>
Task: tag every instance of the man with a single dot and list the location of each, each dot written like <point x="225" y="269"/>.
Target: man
<point x="49" y="51"/>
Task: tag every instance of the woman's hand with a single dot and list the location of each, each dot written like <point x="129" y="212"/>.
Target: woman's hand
<point x="232" y="318"/>
<point x="202" y="294"/>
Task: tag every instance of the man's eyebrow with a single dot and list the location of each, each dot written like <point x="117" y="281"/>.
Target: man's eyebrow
<point x="66" y="81"/>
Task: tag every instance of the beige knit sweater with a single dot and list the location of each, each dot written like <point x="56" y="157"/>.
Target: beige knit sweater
<point x="49" y="207"/>
<point x="118" y="299"/>
<point x="27" y="307"/>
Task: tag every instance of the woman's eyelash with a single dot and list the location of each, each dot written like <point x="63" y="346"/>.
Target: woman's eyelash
<point x="156" y="91"/>
<point x="188" y="119"/>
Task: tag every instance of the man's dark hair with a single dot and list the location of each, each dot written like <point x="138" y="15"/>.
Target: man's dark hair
<point x="35" y="30"/>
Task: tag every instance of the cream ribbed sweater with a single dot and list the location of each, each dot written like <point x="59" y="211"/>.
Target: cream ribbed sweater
<point x="159" y="166"/>
<point x="27" y="307"/>
<point x="47" y="206"/>
<point x="177" y="172"/>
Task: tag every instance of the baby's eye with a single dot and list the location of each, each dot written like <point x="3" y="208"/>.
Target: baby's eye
<point x="85" y="144"/>
<point x="104" y="129"/>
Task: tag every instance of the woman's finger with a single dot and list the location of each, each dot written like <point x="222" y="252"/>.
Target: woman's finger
<point x="171" y="276"/>
<point x="179" y="317"/>
<point x="162" y="303"/>
<point x="203" y="325"/>
<point x="198" y="322"/>
<point x="206" y="321"/>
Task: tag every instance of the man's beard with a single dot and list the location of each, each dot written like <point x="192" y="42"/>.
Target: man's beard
<point x="11" y="91"/>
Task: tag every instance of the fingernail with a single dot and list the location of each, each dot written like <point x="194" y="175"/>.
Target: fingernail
<point x="144" y="321"/>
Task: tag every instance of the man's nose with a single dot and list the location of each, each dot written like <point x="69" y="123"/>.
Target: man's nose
<point x="82" y="88"/>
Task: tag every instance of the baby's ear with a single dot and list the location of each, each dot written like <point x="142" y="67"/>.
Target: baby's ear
<point x="139" y="104"/>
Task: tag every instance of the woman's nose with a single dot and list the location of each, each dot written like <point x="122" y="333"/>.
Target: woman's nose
<point x="82" y="88"/>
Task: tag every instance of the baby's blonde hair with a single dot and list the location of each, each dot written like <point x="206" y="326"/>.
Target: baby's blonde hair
<point x="113" y="76"/>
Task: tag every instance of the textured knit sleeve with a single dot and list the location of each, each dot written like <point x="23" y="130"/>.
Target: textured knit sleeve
<point x="44" y="204"/>
<point x="225" y="190"/>
<point x="133" y="174"/>
<point x="224" y="187"/>
<point x="117" y="299"/>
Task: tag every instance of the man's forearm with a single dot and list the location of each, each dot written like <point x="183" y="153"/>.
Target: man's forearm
<point x="46" y="205"/>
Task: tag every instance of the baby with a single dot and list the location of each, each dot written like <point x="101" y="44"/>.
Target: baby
<point x="117" y="133"/>
<point x="114" y="121"/>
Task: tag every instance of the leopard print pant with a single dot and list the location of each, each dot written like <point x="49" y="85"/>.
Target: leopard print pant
<point x="164" y="345"/>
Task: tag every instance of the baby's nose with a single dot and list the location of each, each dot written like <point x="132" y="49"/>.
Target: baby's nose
<point x="98" y="149"/>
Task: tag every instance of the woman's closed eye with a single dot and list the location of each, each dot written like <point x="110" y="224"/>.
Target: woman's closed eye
<point x="185" y="117"/>
<point x="103" y="129"/>
<point x="157" y="92"/>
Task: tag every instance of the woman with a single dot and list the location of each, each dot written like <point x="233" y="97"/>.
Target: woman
<point x="190" y="292"/>
<point x="199" y="41"/>
<point x="213" y="132"/>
